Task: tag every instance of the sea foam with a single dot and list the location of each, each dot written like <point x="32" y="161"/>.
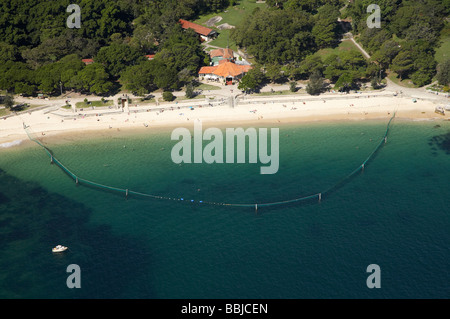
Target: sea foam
<point x="10" y="144"/>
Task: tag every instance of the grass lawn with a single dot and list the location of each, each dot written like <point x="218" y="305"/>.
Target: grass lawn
<point x="4" y="112"/>
<point x="81" y="105"/>
<point x="443" y="52"/>
<point x="140" y="101"/>
<point x="224" y="40"/>
<point x="233" y="15"/>
<point x="345" y="45"/>
<point x="183" y="98"/>
<point x="405" y="83"/>
<point x="283" y="92"/>
<point x="205" y="87"/>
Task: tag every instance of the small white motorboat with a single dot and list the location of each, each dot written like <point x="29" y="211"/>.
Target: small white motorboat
<point x="59" y="249"/>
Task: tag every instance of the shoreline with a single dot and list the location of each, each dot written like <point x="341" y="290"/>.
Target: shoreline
<point x="251" y="112"/>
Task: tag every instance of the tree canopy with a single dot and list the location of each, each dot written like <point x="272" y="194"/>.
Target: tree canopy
<point x="39" y="53"/>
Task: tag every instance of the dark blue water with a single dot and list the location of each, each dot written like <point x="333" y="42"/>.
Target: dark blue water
<point x="395" y="214"/>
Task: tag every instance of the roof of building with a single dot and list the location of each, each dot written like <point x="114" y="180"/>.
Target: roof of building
<point x="150" y="56"/>
<point x="225" y="53"/>
<point x="87" y="60"/>
<point x="196" y="27"/>
<point x="225" y="69"/>
<point x="230" y="69"/>
<point x="207" y="70"/>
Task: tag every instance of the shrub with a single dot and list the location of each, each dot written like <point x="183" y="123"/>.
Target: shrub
<point x="168" y="96"/>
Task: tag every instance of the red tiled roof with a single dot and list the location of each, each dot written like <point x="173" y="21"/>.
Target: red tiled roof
<point x="87" y="60"/>
<point x="245" y="68"/>
<point x="225" y="69"/>
<point x="150" y="56"/>
<point x="229" y="69"/>
<point x="196" y="27"/>
<point x="207" y="70"/>
<point x="225" y="53"/>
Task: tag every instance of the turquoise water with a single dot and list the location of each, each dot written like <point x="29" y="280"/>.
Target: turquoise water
<point x="394" y="214"/>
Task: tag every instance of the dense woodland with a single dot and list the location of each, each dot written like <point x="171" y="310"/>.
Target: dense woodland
<point x="40" y="54"/>
<point x="288" y="36"/>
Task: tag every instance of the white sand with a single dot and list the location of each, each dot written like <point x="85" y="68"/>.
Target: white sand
<point x="258" y="110"/>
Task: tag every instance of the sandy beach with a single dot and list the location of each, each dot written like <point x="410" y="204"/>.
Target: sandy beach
<point x="247" y="110"/>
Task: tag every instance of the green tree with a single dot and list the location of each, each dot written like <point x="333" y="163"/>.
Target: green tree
<point x="16" y="75"/>
<point x="252" y="80"/>
<point x="189" y="91"/>
<point x="8" y="101"/>
<point x="326" y="26"/>
<point x="165" y="77"/>
<point x="139" y="79"/>
<point x="293" y="86"/>
<point x="443" y="73"/>
<point x="247" y="84"/>
<point x="168" y="96"/>
<point x="402" y="64"/>
<point x="316" y="84"/>
<point x="8" y="52"/>
<point x="386" y="53"/>
<point x="345" y="82"/>
<point x="276" y="35"/>
<point x="116" y="57"/>
<point x="273" y="73"/>
<point x="93" y="79"/>
<point x="310" y="64"/>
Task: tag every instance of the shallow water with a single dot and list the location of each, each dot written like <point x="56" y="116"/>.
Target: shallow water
<point x="394" y="214"/>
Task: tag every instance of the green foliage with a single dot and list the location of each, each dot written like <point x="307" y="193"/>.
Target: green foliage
<point x="276" y="36"/>
<point x="30" y="23"/>
<point x="443" y="74"/>
<point x="92" y="79"/>
<point x="316" y="84"/>
<point x="386" y="53"/>
<point x="293" y="86"/>
<point x="406" y="41"/>
<point x="351" y="62"/>
<point x="402" y="64"/>
<point x="345" y="82"/>
<point x="116" y="57"/>
<point x="16" y="77"/>
<point x="38" y="52"/>
<point x="252" y="80"/>
<point x="168" y="96"/>
<point x="301" y="5"/>
<point x="375" y="82"/>
<point x="139" y="79"/>
<point x="8" y="52"/>
<point x="325" y="30"/>
<point x="189" y="91"/>
<point x="53" y="49"/>
<point x="50" y="77"/>
<point x="273" y="73"/>
<point x="8" y="101"/>
<point x="309" y="65"/>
